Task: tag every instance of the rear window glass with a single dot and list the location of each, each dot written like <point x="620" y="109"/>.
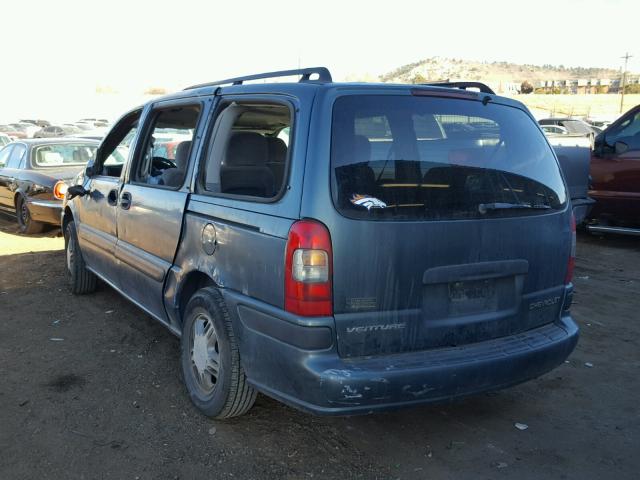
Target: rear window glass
<point x="425" y="158"/>
<point x="63" y="154"/>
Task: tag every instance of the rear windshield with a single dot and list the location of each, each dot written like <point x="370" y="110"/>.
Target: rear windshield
<point x="63" y="154"/>
<point x="426" y="158"/>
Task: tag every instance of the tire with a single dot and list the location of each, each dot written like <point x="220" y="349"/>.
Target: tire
<point x="210" y="358"/>
<point x="27" y="225"/>
<point x="81" y="280"/>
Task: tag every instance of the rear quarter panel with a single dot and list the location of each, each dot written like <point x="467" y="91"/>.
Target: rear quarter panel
<point x="249" y="250"/>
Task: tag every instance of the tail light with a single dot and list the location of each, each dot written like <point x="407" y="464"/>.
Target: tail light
<point x="60" y="190"/>
<point x="572" y="258"/>
<point x="308" y="270"/>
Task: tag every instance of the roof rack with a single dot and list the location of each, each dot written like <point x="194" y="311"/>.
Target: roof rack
<point x="462" y="86"/>
<point x="323" y="76"/>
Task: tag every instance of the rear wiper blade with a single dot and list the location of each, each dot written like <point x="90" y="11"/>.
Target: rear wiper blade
<point x="485" y="207"/>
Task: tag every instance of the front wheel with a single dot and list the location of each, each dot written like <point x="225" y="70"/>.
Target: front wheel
<point x="25" y="222"/>
<point x="210" y="358"/>
<point x="81" y="280"/>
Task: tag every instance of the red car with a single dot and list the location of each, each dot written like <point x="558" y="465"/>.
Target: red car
<point x="615" y="175"/>
<point x="12" y="132"/>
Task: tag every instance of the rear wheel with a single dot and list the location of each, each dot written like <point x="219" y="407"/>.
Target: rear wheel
<point x="25" y="222"/>
<point x="81" y="280"/>
<point x="210" y="358"/>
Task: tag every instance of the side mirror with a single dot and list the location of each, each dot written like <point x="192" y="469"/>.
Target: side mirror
<point x="76" y="191"/>
<point x="621" y="147"/>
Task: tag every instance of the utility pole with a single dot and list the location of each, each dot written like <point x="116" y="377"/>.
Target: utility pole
<point x="624" y="77"/>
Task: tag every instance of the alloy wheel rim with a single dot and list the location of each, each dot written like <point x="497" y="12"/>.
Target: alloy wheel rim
<point x="205" y="354"/>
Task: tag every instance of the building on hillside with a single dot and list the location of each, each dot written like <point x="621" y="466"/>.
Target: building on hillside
<point x="575" y="86"/>
<point x="581" y="86"/>
<point x="505" y="88"/>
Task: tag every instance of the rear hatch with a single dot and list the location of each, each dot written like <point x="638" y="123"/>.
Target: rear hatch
<point x="450" y="223"/>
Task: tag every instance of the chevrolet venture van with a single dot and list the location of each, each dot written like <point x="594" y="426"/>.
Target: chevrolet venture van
<point x="343" y="248"/>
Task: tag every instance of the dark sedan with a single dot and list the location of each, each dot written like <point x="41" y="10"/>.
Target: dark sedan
<point x="33" y="175"/>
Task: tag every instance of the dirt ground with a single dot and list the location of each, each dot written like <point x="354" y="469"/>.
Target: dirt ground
<point x="90" y="388"/>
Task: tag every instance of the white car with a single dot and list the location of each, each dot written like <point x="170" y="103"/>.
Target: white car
<point x="554" y="130"/>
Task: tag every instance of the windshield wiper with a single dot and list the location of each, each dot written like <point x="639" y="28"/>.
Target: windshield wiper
<point x="485" y="207"/>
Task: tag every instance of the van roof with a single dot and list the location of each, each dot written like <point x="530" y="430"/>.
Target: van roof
<point x="326" y="83"/>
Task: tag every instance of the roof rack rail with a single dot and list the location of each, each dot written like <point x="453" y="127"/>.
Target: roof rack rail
<point x="463" y="86"/>
<point x="323" y="76"/>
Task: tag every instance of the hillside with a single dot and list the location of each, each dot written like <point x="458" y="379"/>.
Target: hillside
<point x="438" y="68"/>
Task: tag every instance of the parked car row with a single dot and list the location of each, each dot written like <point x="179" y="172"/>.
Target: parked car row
<point x="12" y="132"/>
<point x="44" y="129"/>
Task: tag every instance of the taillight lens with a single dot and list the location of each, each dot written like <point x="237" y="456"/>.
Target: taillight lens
<point x="308" y="265"/>
<point x="60" y="190"/>
<point x="572" y="258"/>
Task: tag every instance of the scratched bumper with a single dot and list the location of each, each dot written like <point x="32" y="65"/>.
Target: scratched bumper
<point x="320" y="382"/>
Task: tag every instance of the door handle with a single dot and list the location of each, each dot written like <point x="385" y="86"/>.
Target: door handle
<point x="112" y="198"/>
<point x="125" y="200"/>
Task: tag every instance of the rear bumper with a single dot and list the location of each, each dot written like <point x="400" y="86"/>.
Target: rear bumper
<point x="45" y="211"/>
<point x="321" y="382"/>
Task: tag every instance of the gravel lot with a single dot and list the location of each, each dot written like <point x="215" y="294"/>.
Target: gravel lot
<point x="91" y="388"/>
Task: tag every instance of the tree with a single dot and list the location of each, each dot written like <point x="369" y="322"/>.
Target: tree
<point x="526" y="87"/>
<point x="419" y="78"/>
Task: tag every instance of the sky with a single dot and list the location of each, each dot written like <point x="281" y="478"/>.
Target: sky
<point x="57" y="52"/>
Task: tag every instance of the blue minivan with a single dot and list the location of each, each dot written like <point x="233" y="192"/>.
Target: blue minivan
<point x="344" y="248"/>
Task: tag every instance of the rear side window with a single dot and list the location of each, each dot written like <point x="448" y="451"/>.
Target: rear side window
<point x="63" y="155"/>
<point x="15" y="159"/>
<point x="425" y="158"/>
<point x="249" y="152"/>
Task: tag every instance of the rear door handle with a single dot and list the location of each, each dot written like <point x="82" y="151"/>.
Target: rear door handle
<point x="125" y="200"/>
<point x="112" y="198"/>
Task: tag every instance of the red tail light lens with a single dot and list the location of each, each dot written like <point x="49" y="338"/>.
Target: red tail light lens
<point x="572" y="258"/>
<point x="308" y="270"/>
